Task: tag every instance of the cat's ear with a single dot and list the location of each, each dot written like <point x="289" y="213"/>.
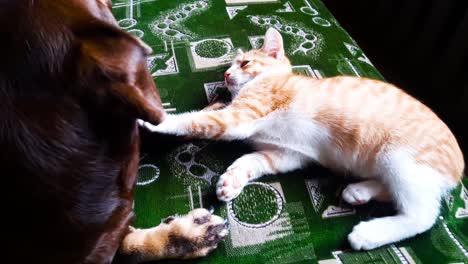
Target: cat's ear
<point x="239" y="52"/>
<point x="273" y="44"/>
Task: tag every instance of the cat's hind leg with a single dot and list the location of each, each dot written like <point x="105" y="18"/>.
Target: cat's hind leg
<point x="253" y="166"/>
<point x="362" y="192"/>
<point x="417" y="191"/>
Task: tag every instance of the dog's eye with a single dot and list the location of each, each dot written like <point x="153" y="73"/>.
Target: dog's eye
<point x="244" y="63"/>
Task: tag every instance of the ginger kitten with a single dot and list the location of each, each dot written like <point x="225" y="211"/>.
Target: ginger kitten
<point x="399" y="147"/>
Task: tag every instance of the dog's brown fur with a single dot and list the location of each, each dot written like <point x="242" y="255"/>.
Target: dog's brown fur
<point x="72" y="85"/>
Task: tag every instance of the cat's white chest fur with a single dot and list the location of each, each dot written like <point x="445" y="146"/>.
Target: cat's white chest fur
<point x="287" y="130"/>
<point x="295" y="132"/>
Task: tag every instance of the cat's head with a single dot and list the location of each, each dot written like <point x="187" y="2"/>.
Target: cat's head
<point x="268" y="60"/>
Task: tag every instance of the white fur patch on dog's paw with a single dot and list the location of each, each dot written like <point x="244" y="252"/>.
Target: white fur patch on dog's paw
<point x="355" y="194"/>
<point x="195" y="234"/>
<point x="365" y="237"/>
<point x="230" y="184"/>
<point x="182" y="237"/>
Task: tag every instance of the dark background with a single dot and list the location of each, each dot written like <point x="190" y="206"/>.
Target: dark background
<point x="420" y="46"/>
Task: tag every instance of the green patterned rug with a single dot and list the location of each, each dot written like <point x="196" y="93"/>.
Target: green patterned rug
<point x="294" y="218"/>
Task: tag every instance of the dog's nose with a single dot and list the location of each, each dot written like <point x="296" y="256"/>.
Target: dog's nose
<point x="226" y="75"/>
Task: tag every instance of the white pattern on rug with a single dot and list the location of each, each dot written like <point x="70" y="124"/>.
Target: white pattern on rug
<point x="203" y="57"/>
<point x="242" y="236"/>
<point x="169" y="59"/>
<point x="357" y="52"/>
<point x="307" y="70"/>
<point x="129" y="20"/>
<point x="287" y="8"/>
<point x="309" y="10"/>
<point x="233" y="10"/>
<point x="237" y="2"/>
<point x="256" y="41"/>
<point x="211" y="90"/>
<point x="168" y="25"/>
<point x="192" y="166"/>
<point x="305" y="41"/>
<point x="463" y="212"/>
<point x="126" y="3"/>
<point x="147" y="174"/>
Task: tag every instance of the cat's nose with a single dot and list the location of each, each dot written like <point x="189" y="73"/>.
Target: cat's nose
<point x="226" y="75"/>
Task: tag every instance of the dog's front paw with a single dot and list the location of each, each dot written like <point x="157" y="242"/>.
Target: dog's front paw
<point x="194" y="235"/>
<point x="182" y="237"/>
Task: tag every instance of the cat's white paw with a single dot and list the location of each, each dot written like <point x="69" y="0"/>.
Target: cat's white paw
<point x="356" y="194"/>
<point x="148" y="126"/>
<point x="230" y="184"/>
<point x="366" y="237"/>
<point x="171" y="125"/>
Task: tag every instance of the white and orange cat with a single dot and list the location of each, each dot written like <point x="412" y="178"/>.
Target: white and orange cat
<point x="372" y="129"/>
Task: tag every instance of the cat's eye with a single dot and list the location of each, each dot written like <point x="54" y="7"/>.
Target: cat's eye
<point x="244" y="63"/>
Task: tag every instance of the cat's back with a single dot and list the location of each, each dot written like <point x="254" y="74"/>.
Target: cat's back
<point x="366" y="116"/>
<point x="354" y="99"/>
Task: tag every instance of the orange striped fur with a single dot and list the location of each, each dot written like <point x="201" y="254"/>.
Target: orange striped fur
<point x="370" y="128"/>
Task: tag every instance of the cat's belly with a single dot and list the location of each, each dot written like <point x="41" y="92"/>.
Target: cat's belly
<point x="286" y="131"/>
<point x="336" y="159"/>
<point x="313" y="141"/>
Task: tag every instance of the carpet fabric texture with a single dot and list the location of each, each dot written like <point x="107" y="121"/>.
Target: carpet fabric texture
<point x="297" y="217"/>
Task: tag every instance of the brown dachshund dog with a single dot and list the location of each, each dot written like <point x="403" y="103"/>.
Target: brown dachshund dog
<point x="72" y="85"/>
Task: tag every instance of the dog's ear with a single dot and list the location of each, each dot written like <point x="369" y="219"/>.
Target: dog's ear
<point x="113" y="68"/>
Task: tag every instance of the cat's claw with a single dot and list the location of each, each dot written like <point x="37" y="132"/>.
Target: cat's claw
<point x="211" y="209"/>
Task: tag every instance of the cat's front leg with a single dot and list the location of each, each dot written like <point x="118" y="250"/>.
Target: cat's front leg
<point x="215" y="106"/>
<point x="225" y="124"/>
<point x="252" y="166"/>
<point x="178" y="125"/>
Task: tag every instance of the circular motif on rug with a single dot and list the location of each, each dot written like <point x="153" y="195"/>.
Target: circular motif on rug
<point x="136" y="32"/>
<point x="187" y="158"/>
<point x="309" y="10"/>
<point x="162" y="25"/>
<point x="147" y="173"/>
<point x="188" y="164"/>
<point x="127" y="23"/>
<point x="212" y="48"/>
<point x="258" y="205"/>
<point x="321" y="22"/>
